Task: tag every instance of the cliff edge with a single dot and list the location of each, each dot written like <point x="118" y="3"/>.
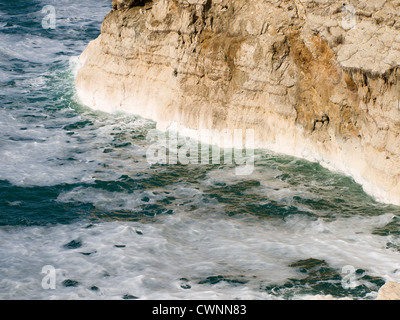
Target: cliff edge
<point x="313" y="78"/>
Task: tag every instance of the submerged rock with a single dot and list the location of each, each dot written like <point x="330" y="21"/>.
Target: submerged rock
<point x="70" y="283"/>
<point x="314" y="79"/>
<point x="74" y="244"/>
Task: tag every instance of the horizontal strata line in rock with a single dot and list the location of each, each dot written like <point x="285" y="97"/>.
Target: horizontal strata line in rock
<point x="283" y="90"/>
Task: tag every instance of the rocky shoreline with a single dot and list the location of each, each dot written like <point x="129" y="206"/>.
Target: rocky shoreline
<point x="314" y="79"/>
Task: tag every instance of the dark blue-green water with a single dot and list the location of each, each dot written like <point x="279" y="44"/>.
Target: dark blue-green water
<point x="77" y="194"/>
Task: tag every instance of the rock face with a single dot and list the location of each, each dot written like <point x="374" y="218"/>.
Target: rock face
<point x="390" y="291"/>
<point x="316" y="79"/>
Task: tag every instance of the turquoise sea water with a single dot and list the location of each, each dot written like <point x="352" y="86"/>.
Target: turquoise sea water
<point x="77" y="194"/>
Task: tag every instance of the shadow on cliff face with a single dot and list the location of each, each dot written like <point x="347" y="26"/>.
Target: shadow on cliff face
<point x="126" y="4"/>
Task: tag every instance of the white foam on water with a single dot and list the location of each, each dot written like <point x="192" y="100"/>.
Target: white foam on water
<point x="170" y="256"/>
<point x="44" y="46"/>
<point x="33" y="48"/>
<point x="270" y="187"/>
<point x="110" y="201"/>
<point x="43" y="154"/>
<point x="158" y="260"/>
<point x="79" y="12"/>
<point x="38" y="156"/>
<point x="74" y="65"/>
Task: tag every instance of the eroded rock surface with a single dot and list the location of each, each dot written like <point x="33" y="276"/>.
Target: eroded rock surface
<point x="313" y="78"/>
<point x="390" y="291"/>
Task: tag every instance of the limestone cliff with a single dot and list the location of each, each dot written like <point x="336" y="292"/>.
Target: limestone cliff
<point x="390" y="291"/>
<point x="316" y="79"/>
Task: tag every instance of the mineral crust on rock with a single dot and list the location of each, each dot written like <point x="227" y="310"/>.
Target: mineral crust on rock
<point x="315" y="79"/>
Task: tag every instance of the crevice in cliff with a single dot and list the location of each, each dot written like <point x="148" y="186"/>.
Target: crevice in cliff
<point x="127" y="4"/>
<point x="273" y="65"/>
